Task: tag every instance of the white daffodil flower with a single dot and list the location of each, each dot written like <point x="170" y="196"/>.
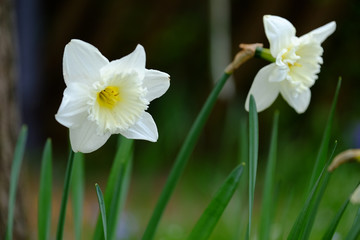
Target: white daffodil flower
<point x="103" y="98"/>
<point x="296" y="67"/>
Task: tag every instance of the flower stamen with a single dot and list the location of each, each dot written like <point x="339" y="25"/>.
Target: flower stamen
<point x="109" y="97"/>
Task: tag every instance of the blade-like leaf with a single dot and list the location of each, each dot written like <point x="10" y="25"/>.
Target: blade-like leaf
<point x="69" y="167"/>
<point x="117" y="187"/>
<point x="243" y="185"/>
<point x="253" y="156"/>
<point x="77" y="192"/>
<point x="268" y="201"/>
<point x="102" y="209"/>
<point x="331" y="229"/>
<point x="354" y="232"/>
<point x="213" y="212"/>
<point x="14" y="177"/>
<point x="44" y="202"/>
<point x="323" y="150"/>
<point x="305" y="220"/>
<point x="182" y="158"/>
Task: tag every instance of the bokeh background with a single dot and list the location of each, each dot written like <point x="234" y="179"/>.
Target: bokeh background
<point x="193" y="41"/>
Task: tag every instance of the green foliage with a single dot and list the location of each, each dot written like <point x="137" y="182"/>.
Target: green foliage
<point x="61" y="222"/>
<point x="267" y="208"/>
<point x="14" y="177"/>
<point x="213" y="212"/>
<point x="77" y="192"/>
<point x="117" y="187"/>
<point x="182" y="158"/>
<point x="253" y="156"/>
<point x="44" y="202"/>
<point x="102" y="209"/>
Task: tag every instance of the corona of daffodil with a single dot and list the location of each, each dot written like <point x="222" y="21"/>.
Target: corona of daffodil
<point x="297" y="63"/>
<point x="103" y="98"/>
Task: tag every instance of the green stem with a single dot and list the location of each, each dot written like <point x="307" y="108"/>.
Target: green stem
<point x="60" y="229"/>
<point x="264" y="53"/>
<point x="182" y="158"/>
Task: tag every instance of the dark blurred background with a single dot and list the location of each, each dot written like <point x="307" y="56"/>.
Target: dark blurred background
<point x="193" y="41"/>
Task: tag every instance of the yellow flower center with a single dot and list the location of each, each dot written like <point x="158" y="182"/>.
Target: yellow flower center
<point x="109" y="97"/>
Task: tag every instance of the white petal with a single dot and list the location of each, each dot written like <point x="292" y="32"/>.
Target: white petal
<point x="135" y="61"/>
<point x="355" y="197"/>
<point x="156" y="82"/>
<point x="85" y="138"/>
<point x="144" y="129"/>
<point x="278" y="74"/>
<point x="74" y="105"/>
<point x="321" y="33"/>
<point x="279" y="32"/>
<point x="82" y="62"/>
<point x="299" y="101"/>
<point x="264" y="91"/>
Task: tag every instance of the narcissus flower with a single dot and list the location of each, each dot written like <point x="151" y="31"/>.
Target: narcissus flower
<point x="103" y="98"/>
<point x="297" y="63"/>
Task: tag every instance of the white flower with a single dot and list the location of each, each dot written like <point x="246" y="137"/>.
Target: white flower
<point x="296" y="67"/>
<point x="103" y="98"/>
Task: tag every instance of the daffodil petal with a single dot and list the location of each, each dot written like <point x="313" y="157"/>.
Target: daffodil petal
<point x="355" y="197"/>
<point x="156" y="82"/>
<point x="299" y="101"/>
<point x="85" y="138"/>
<point x="144" y="129"/>
<point x="264" y="91"/>
<point x="82" y="62"/>
<point x="279" y="32"/>
<point x="278" y="74"/>
<point x="73" y="105"/>
<point x="323" y="32"/>
<point x="134" y="61"/>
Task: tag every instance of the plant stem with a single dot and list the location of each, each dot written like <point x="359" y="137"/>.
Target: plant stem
<point x="182" y="158"/>
<point x="60" y="229"/>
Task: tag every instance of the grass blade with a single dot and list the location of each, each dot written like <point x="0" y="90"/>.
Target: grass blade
<point x="213" y="212"/>
<point x="331" y="229"/>
<point x="44" y="202"/>
<point x="117" y="186"/>
<point x="182" y="158"/>
<point x="323" y="150"/>
<point x="268" y="201"/>
<point x="242" y="158"/>
<point x="102" y="209"/>
<point x="77" y="192"/>
<point x="60" y="228"/>
<point x="14" y="177"/>
<point x="305" y="220"/>
<point x="253" y="156"/>
<point x="354" y="232"/>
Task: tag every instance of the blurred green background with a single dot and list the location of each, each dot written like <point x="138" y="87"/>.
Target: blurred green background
<point x="193" y="41"/>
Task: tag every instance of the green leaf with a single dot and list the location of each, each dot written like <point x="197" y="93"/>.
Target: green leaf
<point x="117" y="187"/>
<point x="182" y="158"/>
<point x="323" y="150"/>
<point x="268" y="200"/>
<point x="354" y="232"/>
<point x="44" y="202"/>
<point x="215" y="209"/>
<point x="243" y="147"/>
<point x="102" y="209"/>
<point x="331" y="229"/>
<point x="77" y="192"/>
<point x="253" y="156"/>
<point x="60" y="228"/>
<point x="305" y="220"/>
<point x="14" y="177"/>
